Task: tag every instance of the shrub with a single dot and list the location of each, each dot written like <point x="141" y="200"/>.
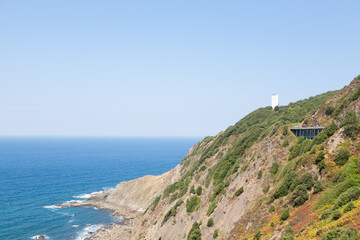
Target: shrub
<point x="192" y="189"/>
<point x="203" y="167"/>
<point x="274" y="168"/>
<point x="342" y="157"/>
<point x="318" y="187"/>
<point x="326" y="214"/>
<point x="336" y="215"/>
<point x="350" y="206"/>
<point x="285" y="214"/>
<point x="319" y="157"/>
<point x="307" y="180"/>
<point x="210" y="222"/>
<point x="271" y="209"/>
<point x="342" y="234"/>
<point x="285" y="143"/>
<point x="290" y="182"/>
<point x="266" y="188"/>
<point x="257" y="235"/>
<point x="172" y="212"/>
<point x="192" y="203"/>
<point x="216" y="233"/>
<point x="259" y="175"/>
<point x="155" y="203"/>
<point x="300" y="195"/>
<point x="351" y="194"/>
<point x="199" y="190"/>
<point x="285" y="130"/>
<point x="329" y="110"/>
<point x="211" y="208"/>
<point x="195" y="232"/>
<point x="239" y="191"/>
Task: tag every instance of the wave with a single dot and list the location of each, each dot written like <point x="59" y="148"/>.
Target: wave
<point x="51" y="207"/>
<point x="87" y="195"/>
<point x="88" y="231"/>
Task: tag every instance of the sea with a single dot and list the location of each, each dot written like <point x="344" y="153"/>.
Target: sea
<point x="38" y="172"/>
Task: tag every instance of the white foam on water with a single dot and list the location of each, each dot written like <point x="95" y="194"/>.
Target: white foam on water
<point x="88" y="231"/>
<point x="38" y="237"/>
<point x="75" y="226"/>
<point x="73" y="201"/>
<point x="51" y="207"/>
<point x="87" y="195"/>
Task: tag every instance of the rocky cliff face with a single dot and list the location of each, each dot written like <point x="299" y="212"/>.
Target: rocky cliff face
<point x="256" y="180"/>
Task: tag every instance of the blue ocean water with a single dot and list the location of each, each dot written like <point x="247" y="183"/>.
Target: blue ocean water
<point x="36" y="173"/>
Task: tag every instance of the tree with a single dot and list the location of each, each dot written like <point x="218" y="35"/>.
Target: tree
<point x="300" y="195"/>
<point x="342" y="157"/>
<point x="285" y="214"/>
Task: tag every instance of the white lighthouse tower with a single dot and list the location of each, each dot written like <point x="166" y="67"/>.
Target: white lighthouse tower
<point x="274" y="100"/>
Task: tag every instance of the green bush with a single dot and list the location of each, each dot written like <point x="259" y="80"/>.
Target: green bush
<point x="211" y="208"/>
<point x="350" y="206"/>
<point x="319" y="157"/>
<point x="285" y="214"/>
<point x="274" y="168"/>
<point x="271" y="209"/>
<point x="342" y="234"/>
<point x="318" y="187"/>
<point x="155" y="203"/>
<point x="266" y="188"/>
<point x="199" y="190"/>
<point x="257" y="235"/>
<point x="285" y="143"/>
<point x="307" y="180"/>
<point x="259" y="175"/>
<point x="329" y="110"/>
<point x="342" y="157"/>
<point x="326" y="214"/>
<point x="195" y="232"/>
<point x="300" y="195"/>
<point x="192" y="189"/>
<point x="210" y="222"/>
<point x="285" y="130"/>
<point x="290" y="182"/>
<point x="203" y="167"/>
<point x="192" y="203"/>
<point x="351" y="194"/>
<point x="216" y="233"/>
<point x="172" y="211"/>
<point x="336" y="215"/>
<point x="239" y="191"/>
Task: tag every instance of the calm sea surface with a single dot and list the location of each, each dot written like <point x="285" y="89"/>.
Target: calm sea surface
<point x="37" y="173"/>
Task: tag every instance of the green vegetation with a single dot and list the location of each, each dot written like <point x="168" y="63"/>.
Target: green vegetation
<point x="329" y="110"/>
<point x="216" y="233"/>
<point x="172" y="212"/>
<point x="342" y="157"/>
<point x="239" y="191"/>
<point x="192" y="203"/>
<point x="290" y="182"/>
<point x="342" y="234"/>
<point x="300" y="195"/>
<point x="285" y="143"/>
<point x="266" y="188"/>
<point x="285" y="214"/>
<point x="210" y="222"/>
<point x="199" y="190"/>
<point x="318" y="187"/>
<point x="350" y="206"/>
<point x="192" y="189"/>
<point x="259" y="175"/>
<point x="274" y="168"/>
<point x="336" y="215"/>
<point x="155" y="203"/>
<point x="351" y="125"/>
<point x="351" y="194"/>
<point x="326" y="214"/>
<point x="319" y="157"/>
<point x="257" y="235"/>
<point x="307" y="180"/>
<point x="195" y="232"/>
<point x="271" y="209"/>
<point x="211" y="208"/>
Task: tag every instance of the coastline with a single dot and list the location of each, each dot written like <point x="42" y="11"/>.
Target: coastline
<point x="119" y="230"/>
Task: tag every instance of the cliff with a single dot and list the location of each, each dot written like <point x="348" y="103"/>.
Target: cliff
<point x="255" y="180"/>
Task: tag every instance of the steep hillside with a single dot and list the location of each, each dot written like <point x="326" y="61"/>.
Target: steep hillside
<point x="256" y="180"/>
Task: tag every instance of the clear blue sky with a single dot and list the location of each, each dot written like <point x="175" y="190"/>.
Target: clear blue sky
<point x="166" y="68"/>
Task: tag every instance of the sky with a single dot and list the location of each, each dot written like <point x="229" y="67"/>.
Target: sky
<point x="166" y="68"/>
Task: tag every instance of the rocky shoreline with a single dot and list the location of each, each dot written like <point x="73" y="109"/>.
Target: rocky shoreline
<point x="120" y="230"/>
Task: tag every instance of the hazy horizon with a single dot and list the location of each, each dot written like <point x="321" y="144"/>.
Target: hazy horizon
<point x="162" y="69"/>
